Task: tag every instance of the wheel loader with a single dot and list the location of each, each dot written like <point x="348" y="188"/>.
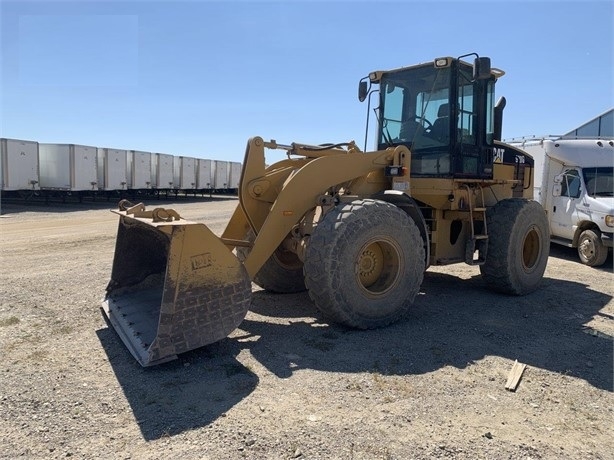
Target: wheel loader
<point x="357" y="229"/>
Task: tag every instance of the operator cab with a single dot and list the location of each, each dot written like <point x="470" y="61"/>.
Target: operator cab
<point x="443" y="111"/>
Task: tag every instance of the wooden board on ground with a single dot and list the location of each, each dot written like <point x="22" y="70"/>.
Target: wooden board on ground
<point x="513" y="379"/>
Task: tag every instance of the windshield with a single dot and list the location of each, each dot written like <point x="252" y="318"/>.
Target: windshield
<point x="599" y="181"/>
<point x="415" y="107"/>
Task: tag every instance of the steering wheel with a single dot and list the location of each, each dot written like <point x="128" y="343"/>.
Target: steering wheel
<point x="427" y="125"/>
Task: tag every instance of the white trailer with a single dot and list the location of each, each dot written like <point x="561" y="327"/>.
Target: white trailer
<point x="220" y="178"/>
<point x="68" y="167"/>
<point x="203" y="174"/>
<point x="234" y="176"/>
<point x="162" y="171"/>
<point x="19" y="165"/>
<point x="112" y="169"/>
<point x="139" y="170"/>
<point x="574" y="182"/>
<point x="185" y="173"/>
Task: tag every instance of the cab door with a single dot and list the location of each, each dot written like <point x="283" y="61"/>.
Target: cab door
<point x="564" y="204"/>
<point x="472" y="145"/>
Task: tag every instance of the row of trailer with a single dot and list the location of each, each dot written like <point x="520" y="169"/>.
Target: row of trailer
<point x="33" y="166"/>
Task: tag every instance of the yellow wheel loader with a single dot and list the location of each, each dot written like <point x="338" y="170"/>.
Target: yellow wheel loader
<point x="356" y="229"/>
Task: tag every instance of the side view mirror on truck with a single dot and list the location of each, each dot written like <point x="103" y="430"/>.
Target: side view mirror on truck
<point x="558" y="180"/>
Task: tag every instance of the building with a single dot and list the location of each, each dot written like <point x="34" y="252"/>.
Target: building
<point x="600" y="126"/>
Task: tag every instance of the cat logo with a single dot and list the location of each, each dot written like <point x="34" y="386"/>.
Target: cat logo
<point x="201" y="261"/>
<point x="498" y="155"/>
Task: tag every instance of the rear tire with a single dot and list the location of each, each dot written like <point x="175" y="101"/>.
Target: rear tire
<point x="364" y="264"/>
<point x="281" y="273"/>
<point x="591" y="250"/>
<point x="518" y="246"/>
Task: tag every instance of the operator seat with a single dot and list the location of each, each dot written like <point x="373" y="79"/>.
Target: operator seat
<point x="441" y="126"/>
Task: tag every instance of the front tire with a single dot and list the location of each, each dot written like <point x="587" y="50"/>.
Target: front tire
<point x="364" y="264"/>
<point x="518" y="246"/>
<point x="591" y="250"/>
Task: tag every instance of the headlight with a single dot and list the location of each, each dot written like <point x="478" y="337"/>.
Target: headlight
<point x="609" y="221"/>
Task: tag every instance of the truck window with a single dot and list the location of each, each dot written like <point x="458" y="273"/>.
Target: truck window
<point x="599" y="181"/>
<point x="571" y="184"/>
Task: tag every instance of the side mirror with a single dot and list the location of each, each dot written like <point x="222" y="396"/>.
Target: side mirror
<point x="481" y="68"/>
<point x="556" y="189"/>
<point x="363" y="90"/>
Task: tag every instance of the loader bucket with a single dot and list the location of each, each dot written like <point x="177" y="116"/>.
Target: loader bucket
<point x="174" y="287"/>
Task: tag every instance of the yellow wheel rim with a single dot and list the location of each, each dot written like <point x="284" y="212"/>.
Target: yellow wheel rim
<point x="378" y="266"/>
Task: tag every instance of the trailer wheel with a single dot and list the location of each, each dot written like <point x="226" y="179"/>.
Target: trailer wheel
<point x="591" y="250"/>
<point x="518" y="246"/>
<point x="281" y="273"/>
<point x="364" y="264"/>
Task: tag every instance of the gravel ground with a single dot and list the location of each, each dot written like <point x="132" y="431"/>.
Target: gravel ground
<point x="288" y="385"/>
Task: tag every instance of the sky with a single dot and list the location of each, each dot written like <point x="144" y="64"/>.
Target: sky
<point x="199" y="78"/>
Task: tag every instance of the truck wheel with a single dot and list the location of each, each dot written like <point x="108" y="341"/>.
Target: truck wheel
<point x="591" y="250"/>
<point x="364" y="264"/>
<point x="518" y="246"/>
<point x="282" y="273"/>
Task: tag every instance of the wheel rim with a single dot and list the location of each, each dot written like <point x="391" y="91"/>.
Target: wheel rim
<point x="378" y="267"/>
<point x="586" y="248"/>
<point x="531" y="249"/>
<point x="287" y="259"/>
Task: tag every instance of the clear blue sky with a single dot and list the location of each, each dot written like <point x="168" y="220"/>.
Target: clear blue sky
<point x="198" y="78"/>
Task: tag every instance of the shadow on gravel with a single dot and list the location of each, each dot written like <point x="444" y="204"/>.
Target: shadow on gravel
<point x="184" y="394"/>
<point x="454" y="322"/>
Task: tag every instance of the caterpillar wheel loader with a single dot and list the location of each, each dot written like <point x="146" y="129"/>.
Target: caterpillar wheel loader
<point x="357" y="229"/>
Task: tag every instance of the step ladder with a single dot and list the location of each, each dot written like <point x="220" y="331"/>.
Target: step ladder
<point x="478" y="241"/>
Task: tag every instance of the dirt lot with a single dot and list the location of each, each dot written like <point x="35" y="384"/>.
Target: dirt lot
<point x="288" y="385"/>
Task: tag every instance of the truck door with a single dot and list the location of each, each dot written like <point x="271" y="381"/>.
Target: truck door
<point x="564" y="212"/>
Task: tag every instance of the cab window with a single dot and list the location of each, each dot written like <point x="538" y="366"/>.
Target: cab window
<point x="467" y="120"/>
<point x="570" y="185"/>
